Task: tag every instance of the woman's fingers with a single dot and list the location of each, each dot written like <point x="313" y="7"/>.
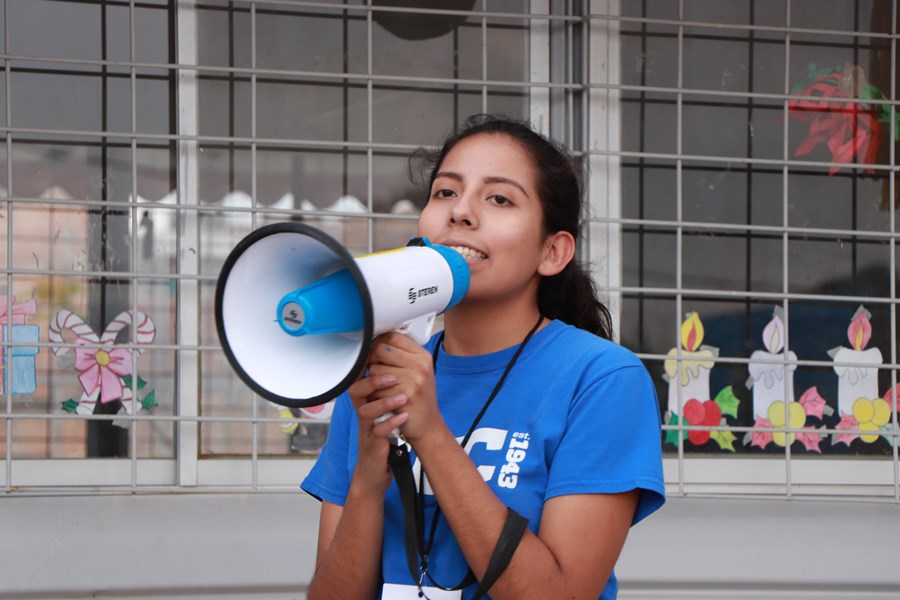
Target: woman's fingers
<point x="393" y="349"/>
<point x="384" y="415"/>
<point x="362" y="390"/>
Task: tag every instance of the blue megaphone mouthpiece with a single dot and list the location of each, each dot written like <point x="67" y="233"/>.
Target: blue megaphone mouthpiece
<point x="329" y="305"/>
<point x="333" y="304"/>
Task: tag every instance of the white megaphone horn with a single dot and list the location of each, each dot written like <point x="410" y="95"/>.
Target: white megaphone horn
<point x="296" y="313"/>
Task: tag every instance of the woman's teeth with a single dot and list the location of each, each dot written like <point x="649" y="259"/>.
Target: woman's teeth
<point x="469" y="252"/>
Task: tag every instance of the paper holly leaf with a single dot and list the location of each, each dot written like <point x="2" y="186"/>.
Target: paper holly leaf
<point x="728" y="402"/>
<point x="725" y="439"/>
<point x="814" y="404"/>
<point x="848" y="422"/>
<point x="127" y="382"/>
<point x="760" y="439"/>
<point x="148" y="401"/>
<point x="672" y="434"/>
<point x="70" y="406"/>
<point x="810" y="439"/>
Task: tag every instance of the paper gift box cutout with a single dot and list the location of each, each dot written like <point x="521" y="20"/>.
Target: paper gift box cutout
<point x="18" y="361"/>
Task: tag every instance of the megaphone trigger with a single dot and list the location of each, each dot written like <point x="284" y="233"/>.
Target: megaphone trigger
<point x="327" y="307"/>
<point x="420" y="328"/>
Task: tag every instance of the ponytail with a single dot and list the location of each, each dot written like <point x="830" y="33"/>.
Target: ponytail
<point x="571" y="296"/>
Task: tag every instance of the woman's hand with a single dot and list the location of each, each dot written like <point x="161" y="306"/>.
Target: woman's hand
<point x="395" y="355"/>
<point x="367" y="394"/>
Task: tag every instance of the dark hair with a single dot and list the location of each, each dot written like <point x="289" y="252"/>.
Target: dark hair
<point x="570" y="295"/>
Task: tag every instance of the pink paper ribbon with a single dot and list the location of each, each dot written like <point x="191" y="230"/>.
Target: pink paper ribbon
<point x="101" y="368"/>
<point x="20" y="310"/>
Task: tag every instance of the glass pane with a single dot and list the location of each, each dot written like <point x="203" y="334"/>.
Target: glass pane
<point x="862" y="15"/>
<point x="649" y="116"/>
<point x="99" y="369"/>
<point x="718" y="60"/>
<point x="43" y="28"/>
<point x="649" y="50"/>
<point x="760" y="226"/>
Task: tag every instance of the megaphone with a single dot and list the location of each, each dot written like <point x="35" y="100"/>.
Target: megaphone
<point x="296" y="313"/>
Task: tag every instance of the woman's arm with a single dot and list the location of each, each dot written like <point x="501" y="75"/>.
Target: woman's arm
<point x="580" y="536"/>
<point x="577" y="545"/>
<point x="348" y="559"/>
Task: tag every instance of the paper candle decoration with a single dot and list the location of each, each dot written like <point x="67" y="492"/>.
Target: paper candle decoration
<point x="857" y="368"/>
<point x="690" y="373"/>
<point x="289" y="426"/>
<point x="767" y="368"/>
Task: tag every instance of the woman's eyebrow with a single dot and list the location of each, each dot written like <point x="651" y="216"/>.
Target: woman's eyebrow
<point x="507" y="180"/>
<point x="489" y="179"/>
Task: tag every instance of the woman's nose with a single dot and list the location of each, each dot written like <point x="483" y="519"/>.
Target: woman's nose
<point x="463" y="213"/>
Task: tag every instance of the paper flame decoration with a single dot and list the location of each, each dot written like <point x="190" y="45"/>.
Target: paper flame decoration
<point x="692" y="332"/>
<point x="860" y="331"/>
<point x="773" y="334"/>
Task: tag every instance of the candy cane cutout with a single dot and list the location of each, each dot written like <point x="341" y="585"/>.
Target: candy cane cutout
<point x="144" y="328"/>
<point x="144" y="332"/>
<point x="66" y="319"/>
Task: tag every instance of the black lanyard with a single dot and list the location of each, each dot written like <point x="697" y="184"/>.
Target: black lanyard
<point x="413" y="501"/>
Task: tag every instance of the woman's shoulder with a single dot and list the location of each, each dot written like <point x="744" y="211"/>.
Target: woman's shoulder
<point x="568" y="340"/>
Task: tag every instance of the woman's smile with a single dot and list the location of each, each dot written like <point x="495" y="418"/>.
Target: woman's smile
<point x="470" y="254"/>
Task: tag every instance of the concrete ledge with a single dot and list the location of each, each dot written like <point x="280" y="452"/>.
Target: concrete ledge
<point x="262" y="546"/>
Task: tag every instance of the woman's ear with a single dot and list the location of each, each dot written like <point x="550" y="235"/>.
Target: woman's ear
<point x="559" y="249"/>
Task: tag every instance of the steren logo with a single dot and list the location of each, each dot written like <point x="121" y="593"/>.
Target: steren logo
<point x="414" y="295"/>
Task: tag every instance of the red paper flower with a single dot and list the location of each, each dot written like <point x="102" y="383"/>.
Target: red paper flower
<point x="849" y="129"/>
<point x="706" y="413"/>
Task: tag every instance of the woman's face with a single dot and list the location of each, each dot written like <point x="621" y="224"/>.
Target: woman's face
<point x="484" y="204"/>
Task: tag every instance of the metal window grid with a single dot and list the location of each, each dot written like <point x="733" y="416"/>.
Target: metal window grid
<point x="569" y="108"/>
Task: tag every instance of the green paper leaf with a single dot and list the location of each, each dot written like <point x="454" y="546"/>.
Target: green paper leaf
<point x="871" y="92"/>
<point x="149" y="401"/>
<point x="725" y="439"/>
<point x="69" y="406"/>
<point x="728" y="402"/>
<point x="672" y="434"/>
<point x="127" y="382"/>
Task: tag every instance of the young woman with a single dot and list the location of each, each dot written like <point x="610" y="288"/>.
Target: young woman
<point x="521" y="409"/>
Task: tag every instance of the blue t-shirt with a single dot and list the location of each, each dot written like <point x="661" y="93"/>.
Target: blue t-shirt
<point x="577" y="415"/>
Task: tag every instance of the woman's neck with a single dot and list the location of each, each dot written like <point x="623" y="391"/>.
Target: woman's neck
<point x="482" y="329"/>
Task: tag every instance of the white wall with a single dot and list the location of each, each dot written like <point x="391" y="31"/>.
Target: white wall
<point x="263" y="545"/>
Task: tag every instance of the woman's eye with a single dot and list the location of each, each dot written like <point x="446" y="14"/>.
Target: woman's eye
<point x="499" y="200"/>
<point x="443" y="194"/>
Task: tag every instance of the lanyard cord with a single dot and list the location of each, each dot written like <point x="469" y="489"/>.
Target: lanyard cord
<point x="425" y="548"/>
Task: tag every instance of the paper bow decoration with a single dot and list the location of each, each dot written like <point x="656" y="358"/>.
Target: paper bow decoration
<point x="102" y="369"/>
<point x="105" y="371"/>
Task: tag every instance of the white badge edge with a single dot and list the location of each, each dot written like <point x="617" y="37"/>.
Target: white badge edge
<point x="396" y="591"/>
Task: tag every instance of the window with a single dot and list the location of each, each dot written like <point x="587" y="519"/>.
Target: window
<point x="758" y="234"/>
<point x="140" y="152"/>
<point x="745" y="235"/>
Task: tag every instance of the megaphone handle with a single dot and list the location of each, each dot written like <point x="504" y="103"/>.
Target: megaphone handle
<point x="394" y="436"/>
<point x="419" y="328"/>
